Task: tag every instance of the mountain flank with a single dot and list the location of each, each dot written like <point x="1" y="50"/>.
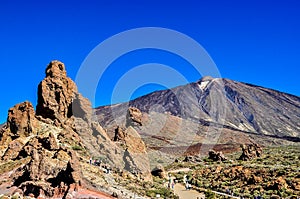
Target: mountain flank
<point x="210" y="112"/>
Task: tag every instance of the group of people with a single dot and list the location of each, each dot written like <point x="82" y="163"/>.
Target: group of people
<point x="105" y="167"/>
<point x="172" y="181"/>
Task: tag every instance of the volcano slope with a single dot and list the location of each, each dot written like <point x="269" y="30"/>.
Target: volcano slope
<point x="210" y="113"/>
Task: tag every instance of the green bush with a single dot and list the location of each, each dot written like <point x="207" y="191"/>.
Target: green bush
<point x="210" y="195"/>
<point x="77" y="148"/>
<point x="163" y="192"/>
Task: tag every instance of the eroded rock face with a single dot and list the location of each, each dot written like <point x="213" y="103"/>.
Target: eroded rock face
<point x="119" y="134"/>
<point x="135" y="156"/>
<point x="21" y="120"/>
<point x="134" y="117"/>
<point x="46" y="166"/>
<point x="42" y="146"/>
<point x="56" y="93"/>
<point x="250" y="152"/>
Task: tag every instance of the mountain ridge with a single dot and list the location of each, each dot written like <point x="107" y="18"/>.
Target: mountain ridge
<point x="220" y="102"/>
<point x="250" y="84"/>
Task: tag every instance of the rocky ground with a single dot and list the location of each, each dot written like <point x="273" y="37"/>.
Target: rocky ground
<point x="273" y="174"/>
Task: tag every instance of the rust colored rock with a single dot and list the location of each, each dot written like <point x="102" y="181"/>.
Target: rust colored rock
<point x="134" y="117"/>
<point x="13" y="150"/>
<point x="49" y="142"/>
<point x="55" y="94"/>
<point x="250" y="152"/>
<point x="75" y="169"/>
<point x="119" y="134"/>
<point x="21" y="120"/>
<point x="216" y="155"/>
<point x="135" y="156"/>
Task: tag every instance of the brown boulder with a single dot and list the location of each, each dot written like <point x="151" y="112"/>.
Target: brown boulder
<point x="13" y="150"/>
<point x="159" y="171"/>
<point x="21" y="120"/>
<point x="250" y="152"/>
<point x="119" y="134"/>
<point x="192" y="159"/>
<point x="216" y="155"/>
<point x="134" y="117"/>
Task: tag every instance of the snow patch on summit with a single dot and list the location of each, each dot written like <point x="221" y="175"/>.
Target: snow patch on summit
<point x="203" y="85"/>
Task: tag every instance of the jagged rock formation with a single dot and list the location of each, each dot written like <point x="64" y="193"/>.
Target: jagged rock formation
<point x="46" y="149"/>
<point x="56" y="94"/>
<point x="134" y="117"/>
<point x="216" y="155"/>
<point x="250" y="151"/>
<point x="119" y="134"/>
<point x="21" y="120"/>
<point x="135" y="156"/>
<point x="46" y="165"/>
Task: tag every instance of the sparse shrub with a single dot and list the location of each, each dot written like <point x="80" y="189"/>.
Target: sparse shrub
<point x="210" y="195"/>
<point x="77" y="148"/>
<point x="163" y="192"/>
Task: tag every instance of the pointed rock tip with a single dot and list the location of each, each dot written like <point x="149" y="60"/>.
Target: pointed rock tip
<point x="206" y="78"/>
<point x="56" y="69"/>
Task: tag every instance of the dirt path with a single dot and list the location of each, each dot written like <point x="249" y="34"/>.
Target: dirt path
<point x="180" y="170"/>
<point x="180" y="190"/>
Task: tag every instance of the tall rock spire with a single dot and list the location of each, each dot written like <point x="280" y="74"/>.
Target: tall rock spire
<point x="56" y="93"/>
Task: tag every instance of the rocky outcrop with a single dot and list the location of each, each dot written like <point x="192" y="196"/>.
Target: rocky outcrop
<point x="48" y="169"/>
<point x="250" y="151"/>
<point x="192" y="159"/>
<point x="119" y="134"/>
<point x="21" y="123"/>
<point x="135" y="155"/>
<point x="159" y="171"/>
<point x="216" y="155"/>
<point x="134" y="117"/>
<point x="47" y="149"/>
<point x="56" y="94"/>
<point x="21" y="120"/>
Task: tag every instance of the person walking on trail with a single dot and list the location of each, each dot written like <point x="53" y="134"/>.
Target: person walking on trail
<point x="91" y="160"/>
<point x="170" y="182"/>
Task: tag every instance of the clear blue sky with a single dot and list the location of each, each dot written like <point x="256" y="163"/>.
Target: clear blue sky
<point x="255" y="41"/>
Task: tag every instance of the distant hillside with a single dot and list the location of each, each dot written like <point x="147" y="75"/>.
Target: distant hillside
<point x="209" y="111"/>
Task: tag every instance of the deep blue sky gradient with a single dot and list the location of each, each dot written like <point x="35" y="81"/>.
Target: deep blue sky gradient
<point x="250" y="41"/>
